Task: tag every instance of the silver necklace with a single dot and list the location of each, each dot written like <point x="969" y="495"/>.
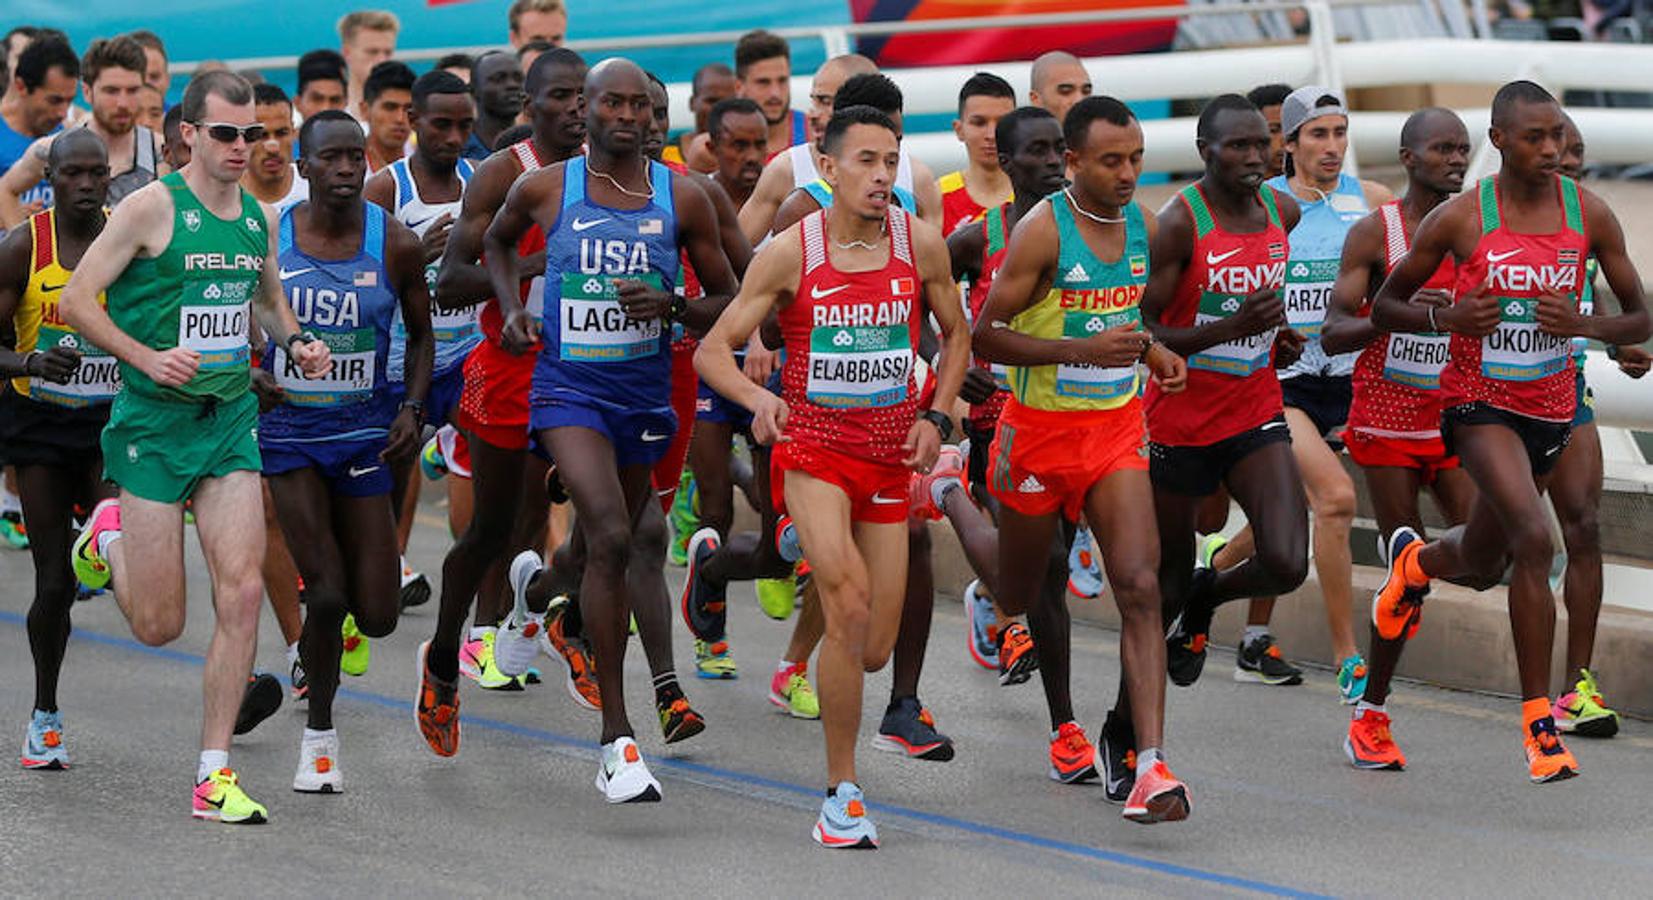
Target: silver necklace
<point x="617" y="185"/>
<point x="863" y="245"/>
<point x="1103" y="220"/>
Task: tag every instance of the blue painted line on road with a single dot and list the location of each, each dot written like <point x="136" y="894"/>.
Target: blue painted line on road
<point x="969" y="826"/>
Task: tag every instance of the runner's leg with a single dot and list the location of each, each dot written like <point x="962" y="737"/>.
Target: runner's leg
<point x="496" y="485"/>
<point x="1575" y="489"/>
<point x="1130" y="554"/>
<point x="229" y="523"/>
<point x="303" y="504"/>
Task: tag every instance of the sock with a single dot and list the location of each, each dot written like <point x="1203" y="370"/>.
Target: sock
<point x="785" y="667"/>
<point x="316" y="734"/>
<point x="1363" y="706"/>
<point x="1411" y="569"/>
<point x="665" y="689"/>
<point x="105" y="541"/>
<point x="1145" y="760"/>
<point x="1255" y="633"/>
<point x="1534" y="709"/>
<point x="211" y="761"/>
<point x="11" y="505"/>
<point x="477" y="631"/>
<point x="939" y="489"/>
<point x="292" y="654"/>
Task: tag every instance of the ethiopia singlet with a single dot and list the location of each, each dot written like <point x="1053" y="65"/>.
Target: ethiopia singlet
<point x="454" y="332"/>
<point x="349" y="305"/>
<point x="1397" y="377"/>
<point x="996" y="242"/>
<point x="1311" y="272"/>
<point x="850" y="341"/>
<point x="1518" y="368"/>
<point x="1231" y="386"/>
<point x="40" y="326"/>
<point x="591" y="349"/>
<point x="1087" y="296"/>
<point x="197" y="293"/>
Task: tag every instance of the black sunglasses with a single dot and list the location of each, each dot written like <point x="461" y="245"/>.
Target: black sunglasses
<point x="225" y="133"/>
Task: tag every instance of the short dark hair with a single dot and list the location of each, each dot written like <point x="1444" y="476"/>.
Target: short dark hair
<point x="554" y="58"/>
<point x="1418" y="125"/>
<point x="516" y="134"/>
<point x="266" y="94"/>
<point x="985" y="84"/>
<point x="873" y="89"/>
<point x="700" y="74"/>
<point x="537" y="45"/>
<point x="437" y="81"/>
<point x="42" y="56"/>
<point x="169" y="122"/>
<point x="390" y="75"/>
<point x="1516" y="92"/>
<point x="1207" y="128"/>
<point x="218" y="83"/>
<point x="149" y="40"/>
<point x="1097" y="107"/>
<point x="1268" y="95"/>
<point x="456" y="61"/>
<point x="321" y="65"/>
<point x="844" y="117"/>
<point x="655" y="80"/>
<point x="756" y="46"/>
<point x="1005" y="133"/>
<point x="730" y="106"/>
<point x="120" y="52"/>
<point x="309" y="127"/>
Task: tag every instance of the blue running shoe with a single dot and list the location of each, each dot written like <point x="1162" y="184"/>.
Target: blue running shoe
<point x="1084" y="567"/>
<point x="1351" y="679"/>
<point x="984" y="626"/>
<point x="431" y="461"/>
<point x="843" y="823"/>
<point x="43" y="748"/>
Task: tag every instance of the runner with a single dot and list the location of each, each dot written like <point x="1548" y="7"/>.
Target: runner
<point x="967" y="193"/>
<point x="185" y="262"/>
<point x="537" y="20"/>
<point x="61" y="388"/>
<point x="1524" y="237"/>
<point x="367" y="38"/>
<point x="321" y="83"/>
<point x="763" y="74"/>
<point x="387" y="103"/>
<point x="1213" y="297"/>
<point x="1071" y="440"/>
<point x="881" y="271"/>
<point x="601" y="404"/>
<point x="712" y="84"/>
<point x="1057" y="81"/>
<point x="1269" y="99"/>
<point x="1395" y="415"/>
<point x="737" y="138"/>
<point x="272" y="177"/>
<point x="496" y="81"/>
<point x="34" y="105"/>
<point x="327" y="443"/>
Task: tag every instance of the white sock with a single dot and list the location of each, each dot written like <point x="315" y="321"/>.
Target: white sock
<point x="10" y="503"/>
<point x="1363" y="706"/>
<point x="477" y="631"/>
<point x="784" y="666"/>
<point x="211" y="761"/>
<point x="292" y="654"/>
<point x="1145" y="760"/>
<point x="1255" y="633"/>
<point x="105" y="541"/>
<point x="311" y="735"/>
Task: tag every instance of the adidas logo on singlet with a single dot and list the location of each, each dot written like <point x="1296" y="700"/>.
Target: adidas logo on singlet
<point x="1030" y="485"/>
<point x="1077" y="273"/>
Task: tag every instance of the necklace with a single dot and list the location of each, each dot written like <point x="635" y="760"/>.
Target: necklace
<point x="617" y="185"/>
<point x="883" y="226"/>
<point x="1103" y="220"/>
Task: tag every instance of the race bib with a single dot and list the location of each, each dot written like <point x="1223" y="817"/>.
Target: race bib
<point x="349" y="379"/>
<point x="96" y="381"/>
<point x="1239" y="357"/>
<point x="1095" y="382"/>
<point x="859" y="366"/>
<point x="1516" y="350"/>
<point x="594" y="327"/>
<point x="1416" y="360"/>
<point x="456" y="326"/>
<point x="1308" y="291"/>
<point x="216" y="329"/>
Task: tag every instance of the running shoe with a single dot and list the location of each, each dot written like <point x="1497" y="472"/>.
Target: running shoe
<point x="517" y="643"/>
<point x="415" y="587"/>
<point x="1085" y="567"/>
<point x="1072" y="756"/>
<point x="299" y="682"/>
<point x="1351" y="679"/>
<point x="1370" y="744"/>
<point x="220" y="798"/>
<point x="843" y="823"/>
<point x="713" y="661"/>
<point x="909" y="729"/>
<point x="436" y="708"/>
<point x="704" y="606"/>
<point x="1397" y="608"/>
<point x="554" y="489"/>
<point x="925" y="490"/>
<point x="357" y="652"/>
<point x="786" y="540"/>
<point x="982" y="636"/>
<point x="1118" y="757"/>
<point x="1158" y="797"/>
<point x="91" y="569"/>
<point x="1547" y="759"/>
<point x="790" y="690"/>
<point x="1209" y="546"/>
<point x="43" y="746"/>
<point x="622" y="775"/>
<point x="488" y="675"/>
<point x="1184" y="655"/>
<point x="318" y="766"/>
<point x="1261" y="662"/>
<point x="1018" y="659"/>
<point x="684" y="518"/>
<point x="777" y="597"/>
<point x="1581" y="712"/>
<point x="432" y="462"/>
<point x="579" y="674"/>
<point x="259" y="702"/>
<point x="13" y="531"/>
<point x="678" y="720"/>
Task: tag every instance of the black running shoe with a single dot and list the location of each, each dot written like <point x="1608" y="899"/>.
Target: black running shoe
<point x="415" y="588"/>
<point x="1260" y="662"/>
<point x="908" y="729"/>
<point x="1185" y="650"/>
<point x="261" y="700"/>
<point x="705" y="607"/>
<point x="1118" y="754"/>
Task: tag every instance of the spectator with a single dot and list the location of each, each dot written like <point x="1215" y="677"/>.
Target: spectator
<point x="537" y="20"/>
<point x="321" y="82"/>
<point x="367" y="37"/>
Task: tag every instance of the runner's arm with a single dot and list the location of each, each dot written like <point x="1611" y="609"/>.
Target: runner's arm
<point x="270" y="307"/>
<point x="1029" y="263"/>
<point x="757" y="217"/>
<point x="1346" y="330"/>
<point x="964" y="246"/>
<point x="15" y="249"/>
<point x="1169" y="254"/>
<point x="941" y="294"/>
<point x="1631" y="325"/>
<point x="380" y="190"/>
<point x="735" y="245"/>
<point x="797" y="205"/>
<point x="24" y="174"/>
<point x="1376" y="194"/>
<point x="462" y="281"/>
<point x="405" y="260"/>
<point x="1435" y="239"/>
<point x="927" y="193"/>
<point x="499" y="249"/>
<point x="771" y="280"/>
<point x="701" y="235"/>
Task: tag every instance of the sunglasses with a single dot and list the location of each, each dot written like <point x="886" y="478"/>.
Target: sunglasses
<point x="225" y="133"/>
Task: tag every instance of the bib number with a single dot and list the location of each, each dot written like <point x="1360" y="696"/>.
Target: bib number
<point x="95" y="381"/>
<point x="859" y="366"/>
<point x="1088" y="382"/>
<point x="1416" y="360"/>
<point x="350" y="379"/>
<point x="217" y="330"/>
<point x="1238" y="358"/>
<point x="1308" y="291"/>
<point x="1516" y="350"/>
<point x="594" y="327"/>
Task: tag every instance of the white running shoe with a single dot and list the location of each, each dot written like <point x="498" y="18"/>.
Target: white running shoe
<point x="517" y="644"/>
<point x="318" y="766"/>
<point x="622" y="775"/>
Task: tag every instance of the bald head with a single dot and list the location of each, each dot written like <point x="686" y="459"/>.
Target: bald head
<point x="1059" y="80"/>
<point x="1429" y="125"/>
<point x="843" y="67"/>
<point x="618" y="108"/>
<point x="828" y="79"/>
<point x="615" y="72"/>
<point x="80" y="144"/>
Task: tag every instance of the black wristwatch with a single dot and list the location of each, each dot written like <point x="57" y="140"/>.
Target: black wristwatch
<point x="418" y="407"/>
<point x="942" y="422"/>
<point x="680" y="305"/>
<point x="1613" y="352"/>
<point x="295" y="337"/>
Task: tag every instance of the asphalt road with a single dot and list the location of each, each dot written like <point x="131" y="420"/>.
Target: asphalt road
<point x="1276" y="808"/>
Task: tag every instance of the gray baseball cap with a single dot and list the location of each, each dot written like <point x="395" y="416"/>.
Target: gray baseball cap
<point x="1300" y="107"/>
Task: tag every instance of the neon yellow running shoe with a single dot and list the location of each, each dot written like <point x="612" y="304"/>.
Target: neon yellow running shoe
<point x="1210" y="546"/>
<point x="221" y="799"/>
<point x="777" y="597"/>
<point x="355" y="656"/>
<point x="714" y="661"/>
<point x="790" y="690"/>
<point x="476" y="662"/>
<point x="1581" y="710"/>
<point x="91" y="569"/>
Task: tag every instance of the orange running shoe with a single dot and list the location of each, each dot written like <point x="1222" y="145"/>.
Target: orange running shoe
<point x="579" y="673"/>
<point x="1072" y="756"/>
<point x="436" y="709"/>
<point x="1018" y="659"/>
<point x="1547" y="758"/>
<point x="1158" y="797"/>
<point x="1369" y="744"/>
<point x="1397" y="607"/>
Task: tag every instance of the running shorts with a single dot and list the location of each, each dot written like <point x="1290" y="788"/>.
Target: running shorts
<point x="45" y="434"/>
<point x="442" y="401"/>
<point x="1544" y="440"/>
<point x="1046" y="462"/>
<point x="1585" y="412"/>
<point x="879" y="494"/>
<point x="161" y="450"/>
<point x="350" y="468"/>
<point x="1323" y="398"/>
<point x="640" y="437"/>
<point x="1198" y="471"/>
<point x="1426" y="455"/>
<point x="685" y="385"/>
<point x="494" y="404"/>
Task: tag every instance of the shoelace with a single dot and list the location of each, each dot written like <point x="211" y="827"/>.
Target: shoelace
<point x="1074" y="741"/>
<point x="51" y="738"/>
<point x="1130" y="760"/>
<point x="1273" y="651"/>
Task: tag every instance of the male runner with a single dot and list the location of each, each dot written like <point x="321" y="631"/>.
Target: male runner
<point x="156" y="73"/>
<point x="272" y="177"/>
<point x="1522" y="239"/>
<point x="850" y="285"/>
<point x="763" y="74"/>
<point x="738" y="139"/>
<point x="111" y="72"/>
<point x="1063" y="314"/>
<point x="1269" y="99"/>
<point x="1213" y="297"/>
<point x="967" y="193"/>
<point x="51" y="417"/>
<point x="537" y="20"/>
<point x="321" y="82"/>
<point x="496" y="81"/>
<point x="367" y="38"/>
<point x="712" y="84"/>
<point x="1394" y="429"/>
<point x="35" y="103"/>
<point x="387" y="103"/>
<point x="601" y="406"/>
<point x="185" y="262"/>
<point x="1057" y="81"/>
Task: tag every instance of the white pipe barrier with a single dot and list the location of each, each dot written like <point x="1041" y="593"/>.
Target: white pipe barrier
<point x="1620" y="401"/>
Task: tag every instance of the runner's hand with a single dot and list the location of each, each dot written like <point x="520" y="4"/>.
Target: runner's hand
<point x="1432" y="297"/>
<point x="769" y="420"/>
<point x="1558" y="315"/>
<point x="404" y="436"/>
<point x="640" y="302"/>
<point x="1288" y="347"/>
<point x="1476" y="315"/>
<point x="1634" y="361"/>
<point x="269" y="392"/>
<point x="518" y="333"/>
<point x="923" y="445"/>
<point x="1121" y="345"/>
<point x="1169" y="369"/>
<point x="978" y="386"/>
<point x="1260" y="311"/>
<point x="56" y="365"/>
<point x="435" y="241"/>
<point x="171" y="368"/>
<point x="313" y="357"/>
<point x="761" y="361"/>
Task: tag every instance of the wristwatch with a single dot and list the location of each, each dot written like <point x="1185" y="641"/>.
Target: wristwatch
<point x="418" y="407"/>
<point x="940" y="420"/>
<point x="295" y="337"/>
